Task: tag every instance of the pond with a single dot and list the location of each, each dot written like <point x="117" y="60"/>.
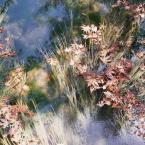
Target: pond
<point x="29" y="24"/>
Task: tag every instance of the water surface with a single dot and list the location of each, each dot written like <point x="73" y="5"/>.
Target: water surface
<point x="28" y="22"/>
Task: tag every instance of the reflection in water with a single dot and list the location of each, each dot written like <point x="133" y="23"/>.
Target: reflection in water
<point x="28" y="21"/>
<point x="29" y="25"/>
<point x="83" y="130"/>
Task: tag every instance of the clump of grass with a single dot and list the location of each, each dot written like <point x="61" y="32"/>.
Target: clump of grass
<point x="106" y="48"/>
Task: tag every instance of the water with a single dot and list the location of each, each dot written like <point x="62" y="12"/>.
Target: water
<point x="28" y="23"/>
<point x="83" y="131"/>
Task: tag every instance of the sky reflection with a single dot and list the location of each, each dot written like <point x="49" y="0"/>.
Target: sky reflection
<point x="30" y="27"/>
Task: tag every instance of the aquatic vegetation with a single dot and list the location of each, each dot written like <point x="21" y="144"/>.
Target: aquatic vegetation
<point x="10" y="122"/>
<point x="136" y="9"/>
<point x="112" y="82"/>
<point x="59" y="101"/>
<point x="6" y="45"/>
<point x="15" y="82"/>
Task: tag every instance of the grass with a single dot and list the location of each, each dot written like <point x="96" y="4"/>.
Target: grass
<point x="73" y="110"/>
<point x="54" y="129"/>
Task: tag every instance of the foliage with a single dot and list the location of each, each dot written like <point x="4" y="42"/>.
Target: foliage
<point x="100" y="70"/>
<point x="113" y="69"/>
<point x="11" y="123"/>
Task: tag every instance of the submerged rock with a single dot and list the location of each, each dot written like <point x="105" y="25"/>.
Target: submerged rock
<point x="40" y="77"/>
